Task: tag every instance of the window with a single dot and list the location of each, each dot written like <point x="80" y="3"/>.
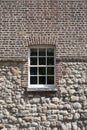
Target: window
<point x="41" y="68"/>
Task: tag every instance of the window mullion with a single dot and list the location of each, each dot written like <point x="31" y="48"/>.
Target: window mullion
<point x="46" y="65"/>
<point x="29" y="66"/>
<point x="55" y="66"/>
<point x="37" y="66"/>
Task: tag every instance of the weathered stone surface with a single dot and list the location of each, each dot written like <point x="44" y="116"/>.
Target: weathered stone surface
<point x="46" y="123"/>
<point x="67" y="106"/>
<point x="43" y="118"/>
<point x="69" y="127"/>
<point x="55" y="111"/>
<point x="20" y="120"/>
<point x="37" y="119"/>
<point x="55" y="100"/>
<point x="29" y="119"/>
<point x="71" y="91"/>
<point x="12" y="118"/>
<point x="63" y="90"/>
<point x="1" y="126"/>
<point x="14" y="71"/>
<point x="5" y="112"/>
<point x="84" y="115"/>
<point x="85" y="91"/>
<point x="74" y="98"/>
<point x="68" y="117"/>
<point x="48" y="128"/>
<point x="62" y="81"/>
<point x="1" y="79"/>
<point x="85" y="104"/>
<point x="10" y="127"/>
<point x="85" y="122"/>
<point x="55" y="128"/>
<point x="64" y="112"/>
<point x="60" y="106"/>
<point x="74" y="126"/>
<point x="60" y="117"/>
<point x="82" y="98"/>
<point x="52" y="117"/>
<point x="52" y="106"/>
<point x="35" y="100"/>
<point x="34" y="124"/>
<point x="69" y="82"/>
<point x="63" y="126"/>
<point x="76" y="116"/>
<point x="43" y="100"/>
<point x="53" y="124"/>
<point x="31" y="128"/>
<point x="2" y="102"/>
<point x="77" y="105"/>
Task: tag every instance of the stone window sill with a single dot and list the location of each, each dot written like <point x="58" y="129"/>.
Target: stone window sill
<point x="41" y="89"/>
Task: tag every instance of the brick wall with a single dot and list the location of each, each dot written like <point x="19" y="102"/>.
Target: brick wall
<point x="59" y="22"/>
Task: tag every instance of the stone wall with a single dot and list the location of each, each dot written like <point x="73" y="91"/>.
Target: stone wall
<point x="62" y="110"/>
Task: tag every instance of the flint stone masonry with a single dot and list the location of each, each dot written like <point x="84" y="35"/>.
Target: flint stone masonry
<point x="65" y="111"/>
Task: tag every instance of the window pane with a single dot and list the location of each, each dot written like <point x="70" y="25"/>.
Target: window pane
<point x="42" y="80"/>
<point x="42" y="61"/>
<point x="33" y="61"/>
<point x="42" y="71"/>
<point x="33" y="71"/>
<point x="33" y="52"/>
<point x="42" y="52"/>
<point x="33" y="80"/>
<point x="50" y="52"/>
<point x="50" y="61"/>
<point x="50" y="71"/>
<point x="50" y="79"/>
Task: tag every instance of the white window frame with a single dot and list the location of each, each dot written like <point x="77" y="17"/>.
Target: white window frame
<point x="42" y="86"/>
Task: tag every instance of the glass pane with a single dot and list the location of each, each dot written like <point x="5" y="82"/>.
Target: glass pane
<point x="42" y="61"/>
<point x="50" y="61"/>
<point x="42" y="80"/>
<point x="42" y="71"/>
<point x="42" y="52"/>
<point x="33" y="52"/>
<point x="33" y="61"/>
<point x="33" y="71"/>
<point x="50" y="52"/>
<point x="50" y="79"/>
<point x="50" y="71"/>
<point x="33" y="80"/>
